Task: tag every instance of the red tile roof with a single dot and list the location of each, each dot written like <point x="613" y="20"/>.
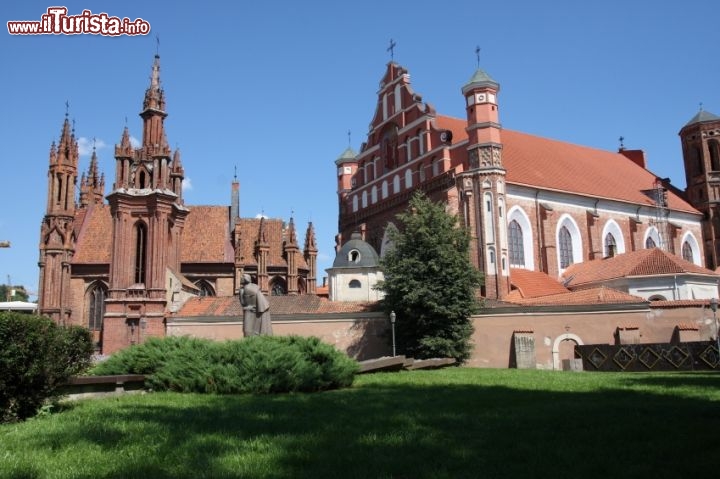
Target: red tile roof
<point x="601" y="295"/>
<point x="93" y="227"/>
<point x="301" y="304"/>
<point x="206" y="236"/>
<point x="531" y="284"/>
<point x="646" y="262"/>
<point x="680" y="303"/>
<point x="560" y="166"/>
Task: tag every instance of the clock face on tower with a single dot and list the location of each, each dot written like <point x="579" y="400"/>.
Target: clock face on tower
<point x="446" y="136"/>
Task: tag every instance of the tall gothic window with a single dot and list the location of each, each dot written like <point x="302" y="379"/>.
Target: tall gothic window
<point x="714" y="155"/>
<point x="610" y="246"/>
<point x="565" y="247"/>
<point x="650" y="243"/>
<point x="389" y="150"/>
<point x="515" y="243"/>
<point x="687" y="252"/>
<point x="96" y="307"/>
<point x="140" y="252"/>
<point x="59" y="189"/>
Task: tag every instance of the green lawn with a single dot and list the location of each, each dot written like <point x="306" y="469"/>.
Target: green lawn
<point x="452" y="423"/>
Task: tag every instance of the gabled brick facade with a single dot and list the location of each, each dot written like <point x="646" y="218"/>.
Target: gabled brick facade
<point x="529" y="202"/>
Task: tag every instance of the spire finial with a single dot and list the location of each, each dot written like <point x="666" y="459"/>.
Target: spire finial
<point x="67" y="108"/>
<point x="73" y="126"/>
<point x="701" y="106"/>
<point x="235" y="175"/>
<point x="349" y="139"/>
<point x="155" y="74"/>
<point x="157" y="45"/>
<point x="94" y="141"/>
<point x="391" y="49"/>
<point x="621" y="139"/>
<point x="477" y="55"/>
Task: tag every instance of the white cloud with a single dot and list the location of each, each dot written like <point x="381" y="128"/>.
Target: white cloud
<point x="85" y="145"/>
<point x="186" y="184"/>
<point x="261" y="215"/>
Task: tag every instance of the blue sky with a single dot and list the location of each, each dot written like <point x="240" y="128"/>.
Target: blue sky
<point x="273" y="87"/>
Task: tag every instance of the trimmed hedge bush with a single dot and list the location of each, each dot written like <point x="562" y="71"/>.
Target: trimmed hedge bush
<point x="37" y="356"/>
<point x="259" y="364"/>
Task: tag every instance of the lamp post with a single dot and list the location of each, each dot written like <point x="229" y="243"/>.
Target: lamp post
<point x="714" y="306"/>
<point x="392" y="324"/>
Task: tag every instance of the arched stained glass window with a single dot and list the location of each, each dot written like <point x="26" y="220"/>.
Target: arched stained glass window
<point x="610" y="246"/>
<point x="96" y="307"/>
<point x="565" y="247"/>
<point x="515" y="243"/>
<point x="687" y="252"/>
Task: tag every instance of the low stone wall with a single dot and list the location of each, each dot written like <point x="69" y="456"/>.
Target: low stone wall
<point x="548" y="334"/>
<point x="81" y="387"/>
<point x="362" y="336"/>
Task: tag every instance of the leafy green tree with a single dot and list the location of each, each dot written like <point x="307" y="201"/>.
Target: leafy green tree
<point x="430" y="283"/>
<point x="36" y="358"/>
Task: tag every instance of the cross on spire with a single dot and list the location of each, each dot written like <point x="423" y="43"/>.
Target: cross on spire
<point x="477" y="54"/>
<point x="349" y="139"/>
<point x="622" y="146"/>
<point x="67" y="108"/>
<point x="157" y="45"/>
<point x="391" y="49"/>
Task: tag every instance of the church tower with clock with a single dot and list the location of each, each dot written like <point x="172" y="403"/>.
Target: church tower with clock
<point x="482" y="185"/>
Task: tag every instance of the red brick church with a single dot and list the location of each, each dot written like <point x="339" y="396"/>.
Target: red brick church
<point x="554" y="227"/>
<point x="121" y="267"/>
<point x="530" y="203"/>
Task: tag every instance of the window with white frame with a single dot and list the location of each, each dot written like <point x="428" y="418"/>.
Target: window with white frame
<point x="516" y="245"/>
<point x="565" y="248"/>
<point x="569" y="242"/>
<point x="521" y="234"/>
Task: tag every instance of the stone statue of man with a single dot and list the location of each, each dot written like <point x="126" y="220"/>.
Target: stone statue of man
<point x="256" y="309"/>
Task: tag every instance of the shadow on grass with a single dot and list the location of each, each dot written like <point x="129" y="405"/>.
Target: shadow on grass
<point x="399" y="430"/>
<point x="679" y="380"/>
